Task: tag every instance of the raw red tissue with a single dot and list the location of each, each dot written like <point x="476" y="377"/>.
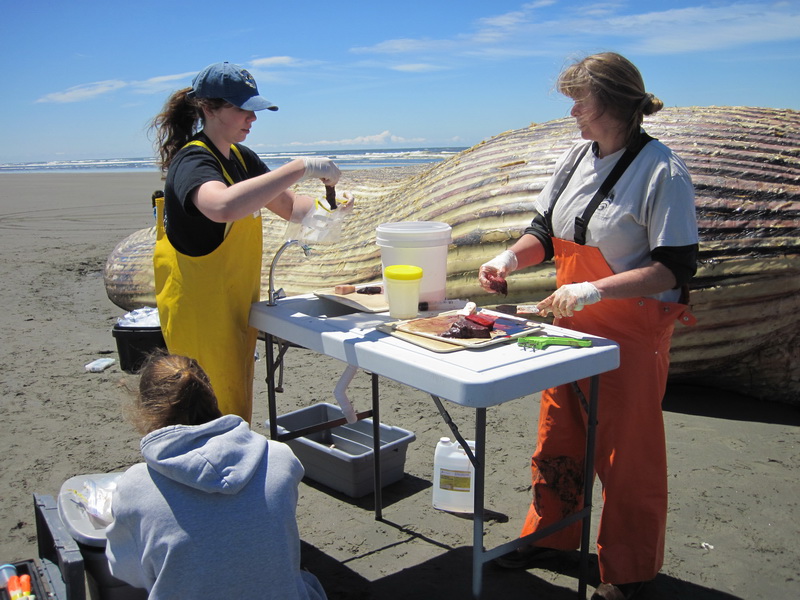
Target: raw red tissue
<point x="482" y="320"/>
<point x="497" y="284"/>
<point x="469" y="328"/>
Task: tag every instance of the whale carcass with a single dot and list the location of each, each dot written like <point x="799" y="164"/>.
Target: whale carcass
<point x="745" y="164"/>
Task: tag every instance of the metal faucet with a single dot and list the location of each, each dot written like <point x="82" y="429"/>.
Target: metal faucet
<point x="275" y="295"/>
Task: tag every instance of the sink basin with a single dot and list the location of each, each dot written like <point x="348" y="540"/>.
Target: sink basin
<point x="308" y="319"/>
<point x="319" y="307"/>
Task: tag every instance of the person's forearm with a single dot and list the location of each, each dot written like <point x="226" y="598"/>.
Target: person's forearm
<point x="292" y="207"/>
<point x="225" y="204"/>
<point x="645" y="281"/>
<point x="529" y="251"/>
<point x="526" y="251"/>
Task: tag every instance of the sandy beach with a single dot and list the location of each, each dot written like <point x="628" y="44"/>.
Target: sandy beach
<point x="734" y="462"/>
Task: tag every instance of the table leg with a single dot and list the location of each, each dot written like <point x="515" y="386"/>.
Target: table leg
<point x="588" y="481"/>
<point x="479" y="556"/>
<point x="478" y="502"/>
<point x="454" y="428"/>
<point x="376" y="448"/>
<point x="478" y="461"/>
<point x="271" y="399"/>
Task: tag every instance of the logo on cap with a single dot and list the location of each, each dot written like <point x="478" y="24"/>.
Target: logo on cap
<point x="248" y="79"/>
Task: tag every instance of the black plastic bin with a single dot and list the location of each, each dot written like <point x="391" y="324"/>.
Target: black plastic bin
<point x="59" y="555"/>
<point x="135" y="343"/>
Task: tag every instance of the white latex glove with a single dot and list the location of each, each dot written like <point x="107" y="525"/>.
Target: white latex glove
<point x="569" y="298"/>
<point x="318" y="223"/>
<point x="497" y="268"/>
<point x="503" y="264"/>
<point x="346" y="203"/>
<point x="321" y="168"/>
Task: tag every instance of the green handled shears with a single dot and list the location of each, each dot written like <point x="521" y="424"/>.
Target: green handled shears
<point x="540" y="342"/>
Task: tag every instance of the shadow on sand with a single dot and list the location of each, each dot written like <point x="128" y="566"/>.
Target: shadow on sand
<point x="449" y="575"/>
<point x="725" y="404"/>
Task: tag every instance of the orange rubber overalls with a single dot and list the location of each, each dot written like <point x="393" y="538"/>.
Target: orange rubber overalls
<point x="630" y="452"/>
<point x="204" y="306"/>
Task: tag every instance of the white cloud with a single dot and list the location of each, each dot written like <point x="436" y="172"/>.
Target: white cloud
<point x="280" y="69"/>
<point x="406" y="46"/>
<point x="89" y="91"/>
<point x="535" y="28"/>
<point x="529" y="31"/>
<point x="709" y="27"/>
<point x="274" y="61"/>
<point x="82" y="92"/>
<point x="153" y="85"/>
<point x="381" y="140"/>
<point x="505" y="21"/>
<point x="493" y="30"/>
<point x="416" y="68"/>
<point x="281" y="61"/>
<point x="539" y="4"/>
<point x="599" y="10"/>
<point x="163" y="83"/>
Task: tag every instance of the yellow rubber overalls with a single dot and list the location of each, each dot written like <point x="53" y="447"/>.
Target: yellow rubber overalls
<point x="204" y="305"/>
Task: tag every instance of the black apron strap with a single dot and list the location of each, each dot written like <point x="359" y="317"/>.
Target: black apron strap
<point x="548" y="216"/>
<point x="582" y="222"/>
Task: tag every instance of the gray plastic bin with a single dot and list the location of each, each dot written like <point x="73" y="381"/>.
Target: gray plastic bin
<point x="341" y="458"/>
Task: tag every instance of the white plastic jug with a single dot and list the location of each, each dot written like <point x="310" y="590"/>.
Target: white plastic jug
<point x="421" y="244"/>
<point x="453" y="477"/>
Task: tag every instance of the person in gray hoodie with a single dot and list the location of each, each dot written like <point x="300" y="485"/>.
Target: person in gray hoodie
<point x="211" y="513"/>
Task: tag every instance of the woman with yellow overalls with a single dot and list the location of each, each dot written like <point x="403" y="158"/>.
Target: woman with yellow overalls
<point x="207" y="257"/>
<point x="618" y="219"/>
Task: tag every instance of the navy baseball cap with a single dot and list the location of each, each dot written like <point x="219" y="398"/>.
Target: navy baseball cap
<point x="232" y="83"/>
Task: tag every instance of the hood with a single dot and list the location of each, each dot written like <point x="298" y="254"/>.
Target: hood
<point x="217" y="457"/>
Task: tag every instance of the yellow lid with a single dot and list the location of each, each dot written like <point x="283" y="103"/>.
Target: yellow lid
<point x="402" y="272"/>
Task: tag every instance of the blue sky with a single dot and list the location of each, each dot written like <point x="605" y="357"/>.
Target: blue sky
<point x="87" y="76"/>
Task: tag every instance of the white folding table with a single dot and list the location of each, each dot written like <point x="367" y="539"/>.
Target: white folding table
<point x="473" y="378"/>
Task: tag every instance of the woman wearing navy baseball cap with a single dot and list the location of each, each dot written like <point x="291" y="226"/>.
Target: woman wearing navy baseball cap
<point x="208" y="250"/>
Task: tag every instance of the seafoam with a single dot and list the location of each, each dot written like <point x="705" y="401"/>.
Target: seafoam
<point x="346" y="159"/>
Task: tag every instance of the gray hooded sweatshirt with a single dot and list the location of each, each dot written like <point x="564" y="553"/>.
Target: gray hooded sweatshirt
<point x="210" y="514"/>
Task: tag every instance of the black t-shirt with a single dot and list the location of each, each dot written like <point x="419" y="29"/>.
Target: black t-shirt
<point x="189" y="231"/>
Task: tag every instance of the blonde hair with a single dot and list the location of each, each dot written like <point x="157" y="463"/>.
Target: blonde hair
<point x="617" y="86"/>
<point x="173" y="390"/>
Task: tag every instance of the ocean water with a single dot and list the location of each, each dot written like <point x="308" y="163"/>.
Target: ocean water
<point x="346" y="159"/>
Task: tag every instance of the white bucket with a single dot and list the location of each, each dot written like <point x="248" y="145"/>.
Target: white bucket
<point x="453" y="477"/>
<point x="421" y="244"/>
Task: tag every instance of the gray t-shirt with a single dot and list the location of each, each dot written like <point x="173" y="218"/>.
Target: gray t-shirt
<point x="652" y="205"/>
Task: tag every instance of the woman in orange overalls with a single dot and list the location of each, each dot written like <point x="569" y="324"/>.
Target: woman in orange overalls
<point x="624" y="241"/>
<point x="207" y="257"/>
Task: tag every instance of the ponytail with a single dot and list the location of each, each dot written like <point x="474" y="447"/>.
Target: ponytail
<point x="176" y="124"/>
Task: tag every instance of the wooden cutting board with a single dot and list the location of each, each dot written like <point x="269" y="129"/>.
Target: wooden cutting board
<point x="426" y="331"/>
<point x="418" y="340"/>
